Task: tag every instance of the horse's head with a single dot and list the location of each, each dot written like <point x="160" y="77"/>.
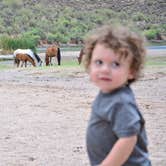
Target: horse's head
<point x="40" y="63"/>
<point x="80" y="56"/>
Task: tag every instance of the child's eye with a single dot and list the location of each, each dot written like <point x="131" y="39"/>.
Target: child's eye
<point x="98" y="62"/>
<point x="115" y="64"/>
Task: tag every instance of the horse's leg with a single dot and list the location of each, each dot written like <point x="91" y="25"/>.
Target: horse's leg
<point x="18" y="63"/>
<point x="22" y="64"/>
<point x="15" y="62"/>
<point x="59" y="57"/>
<point x="47" y="60"/>
<point x="25" y="63"/>
<point x="50" y="61"/>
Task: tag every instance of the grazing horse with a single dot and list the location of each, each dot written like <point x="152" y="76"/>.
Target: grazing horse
<point x="29" y="52"/>
<point x="80" y="56"/>
<point x="24" y="58"/>
<point x="52" y="51"/>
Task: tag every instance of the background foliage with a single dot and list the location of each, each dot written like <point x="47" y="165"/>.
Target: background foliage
<point x="68" y="20"/>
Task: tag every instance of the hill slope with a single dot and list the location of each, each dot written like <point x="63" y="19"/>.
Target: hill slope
<point x="63" y="20"/>
<point x="148" y="7"/>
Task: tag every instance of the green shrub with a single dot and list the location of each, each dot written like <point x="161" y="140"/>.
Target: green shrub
<point x="52" y="38"/>
<point x="58" y="37"/>
<point x="151" y="33"/>
<point x="46" y="20"/>
<point x="139" y="17"/>
<point x="8" y="43"/>
<point x="35" y="33"/>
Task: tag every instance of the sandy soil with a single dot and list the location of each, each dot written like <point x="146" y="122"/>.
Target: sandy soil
<point x="44" y="115"/>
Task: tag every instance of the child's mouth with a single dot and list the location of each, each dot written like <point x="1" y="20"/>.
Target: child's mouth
<point x="105" y="79"/>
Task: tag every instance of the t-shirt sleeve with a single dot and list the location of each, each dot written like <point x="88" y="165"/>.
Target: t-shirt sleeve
<point x="126" y="120"/>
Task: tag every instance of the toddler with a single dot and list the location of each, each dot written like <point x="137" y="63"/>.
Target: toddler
<point x="116" y="136"/>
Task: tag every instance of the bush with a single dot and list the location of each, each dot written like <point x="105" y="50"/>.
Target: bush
<point x="52" y="38"/>
<point x="151" y="33"/>
<point x="139" y="17"/>
<point x="24" y="42"/>
<point x="35" y="33"/>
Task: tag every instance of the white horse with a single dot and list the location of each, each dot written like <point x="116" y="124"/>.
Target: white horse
<point x="29" y="52"/>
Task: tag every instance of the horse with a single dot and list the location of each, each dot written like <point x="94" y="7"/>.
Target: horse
<point x="80" y="56"/>
<point x="52" y="51"/>
<point x="29" y="52"/>
<point x="24" y="58"/>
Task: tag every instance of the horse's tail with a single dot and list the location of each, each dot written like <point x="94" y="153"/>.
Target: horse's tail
<point x="59" y="56"/>
<point x="47" y="60"/>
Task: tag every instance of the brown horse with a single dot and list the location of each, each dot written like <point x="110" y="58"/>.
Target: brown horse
<point x="24" y="58"/>
<point x="30" y="53"/>
<point x="52" y="51"/>
<point x="80" y="56"/>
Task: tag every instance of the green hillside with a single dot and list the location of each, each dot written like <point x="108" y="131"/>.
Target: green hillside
<point x="69" y="20"/>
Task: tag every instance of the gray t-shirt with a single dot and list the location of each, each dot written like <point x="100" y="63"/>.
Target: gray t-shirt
<point x="116" y="115"/>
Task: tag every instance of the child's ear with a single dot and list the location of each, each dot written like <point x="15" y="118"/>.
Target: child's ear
<point x="131" y="75"/>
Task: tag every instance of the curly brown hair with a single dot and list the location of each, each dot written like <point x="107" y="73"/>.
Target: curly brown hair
<point x="122" y="41"/>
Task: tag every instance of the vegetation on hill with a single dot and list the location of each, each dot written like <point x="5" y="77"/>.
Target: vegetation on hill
<point x="64" y="21"/>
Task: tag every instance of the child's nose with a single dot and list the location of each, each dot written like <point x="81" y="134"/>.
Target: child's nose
<point x="106" y="68"/>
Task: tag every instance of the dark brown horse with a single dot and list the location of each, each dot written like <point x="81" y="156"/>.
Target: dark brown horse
<point x="52" y="51"/>
<point x="80" y="56"/>
<point x="24" y="58"/>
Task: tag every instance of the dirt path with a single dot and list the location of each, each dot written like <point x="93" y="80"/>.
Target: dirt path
<point x="44" y="115"/>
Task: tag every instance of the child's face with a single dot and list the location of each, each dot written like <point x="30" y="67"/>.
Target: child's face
<point x="107" y="71"/>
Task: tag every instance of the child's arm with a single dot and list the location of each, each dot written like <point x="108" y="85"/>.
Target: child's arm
<point x="120" y="152"/>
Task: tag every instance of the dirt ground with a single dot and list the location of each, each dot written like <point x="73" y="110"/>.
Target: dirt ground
<point x="44" y="114"/>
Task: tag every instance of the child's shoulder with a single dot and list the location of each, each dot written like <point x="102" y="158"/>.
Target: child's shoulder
<point x="120" y="102"/>
<point x="121" y="95"/>
<point x="124" y="94"/>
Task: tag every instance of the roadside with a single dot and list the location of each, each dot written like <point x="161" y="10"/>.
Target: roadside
<point x="150" y="52"/>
